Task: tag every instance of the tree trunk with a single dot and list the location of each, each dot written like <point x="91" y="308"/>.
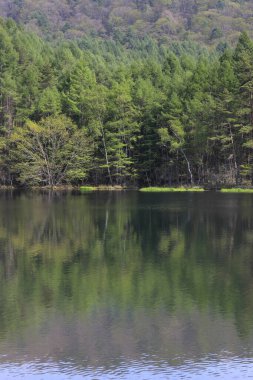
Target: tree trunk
<point x="106" y="155"/>
<point x="188" y="167"/>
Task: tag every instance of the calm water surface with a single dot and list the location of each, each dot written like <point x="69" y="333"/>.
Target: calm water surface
<point x="126" y="286"/>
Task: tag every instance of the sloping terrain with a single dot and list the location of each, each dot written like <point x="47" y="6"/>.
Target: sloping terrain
<point x="207" y="21"/>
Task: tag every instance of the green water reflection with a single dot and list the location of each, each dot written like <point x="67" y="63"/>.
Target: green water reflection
<point x="105" y="276"/>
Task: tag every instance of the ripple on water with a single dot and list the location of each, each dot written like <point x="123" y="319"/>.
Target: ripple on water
<point x="206" y="369"/>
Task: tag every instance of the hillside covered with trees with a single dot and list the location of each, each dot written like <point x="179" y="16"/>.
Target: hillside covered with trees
<point x="208" y="21"/>
<point x="96" y="112"/>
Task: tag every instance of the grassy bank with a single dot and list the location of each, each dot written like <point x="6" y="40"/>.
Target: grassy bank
<point x="170" y="189"/>
<point x="236" y="190"/>
<point x="122" y="188"/>
<point x="87" y="188"/>
<point x="102" y="188"/>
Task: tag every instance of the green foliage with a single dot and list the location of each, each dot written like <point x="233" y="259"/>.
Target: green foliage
<point x="50" y="153"/>
<point x="152" y="115"/>
<point x="209" y="21"/>
<point x="49" y="102"/>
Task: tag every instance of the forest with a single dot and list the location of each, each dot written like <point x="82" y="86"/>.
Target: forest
<point x="205" y="21"/>
<point x="129" y="112"/>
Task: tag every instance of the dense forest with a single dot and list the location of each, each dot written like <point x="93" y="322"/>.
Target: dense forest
<point x="138" y="112"/>
<point x="206" y="21"/>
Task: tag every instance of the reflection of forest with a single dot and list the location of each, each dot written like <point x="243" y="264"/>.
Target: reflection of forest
<point x="125" y="272"/>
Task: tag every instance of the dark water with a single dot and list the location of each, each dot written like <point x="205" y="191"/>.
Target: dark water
<point x="126" y="286"/>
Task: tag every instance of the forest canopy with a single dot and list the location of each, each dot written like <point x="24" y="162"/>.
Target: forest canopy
<point x="205" y="21"/>
<point x="147" y="113"/>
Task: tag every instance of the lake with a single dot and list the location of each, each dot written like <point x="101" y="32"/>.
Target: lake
<point x="126" y="285"/>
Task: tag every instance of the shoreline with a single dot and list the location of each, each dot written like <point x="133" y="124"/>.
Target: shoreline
<point x="118" y="188"/>
<point x="196" y="189"/>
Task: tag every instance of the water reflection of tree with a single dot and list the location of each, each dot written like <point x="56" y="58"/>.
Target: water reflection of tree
<point x="83" y="253"/>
